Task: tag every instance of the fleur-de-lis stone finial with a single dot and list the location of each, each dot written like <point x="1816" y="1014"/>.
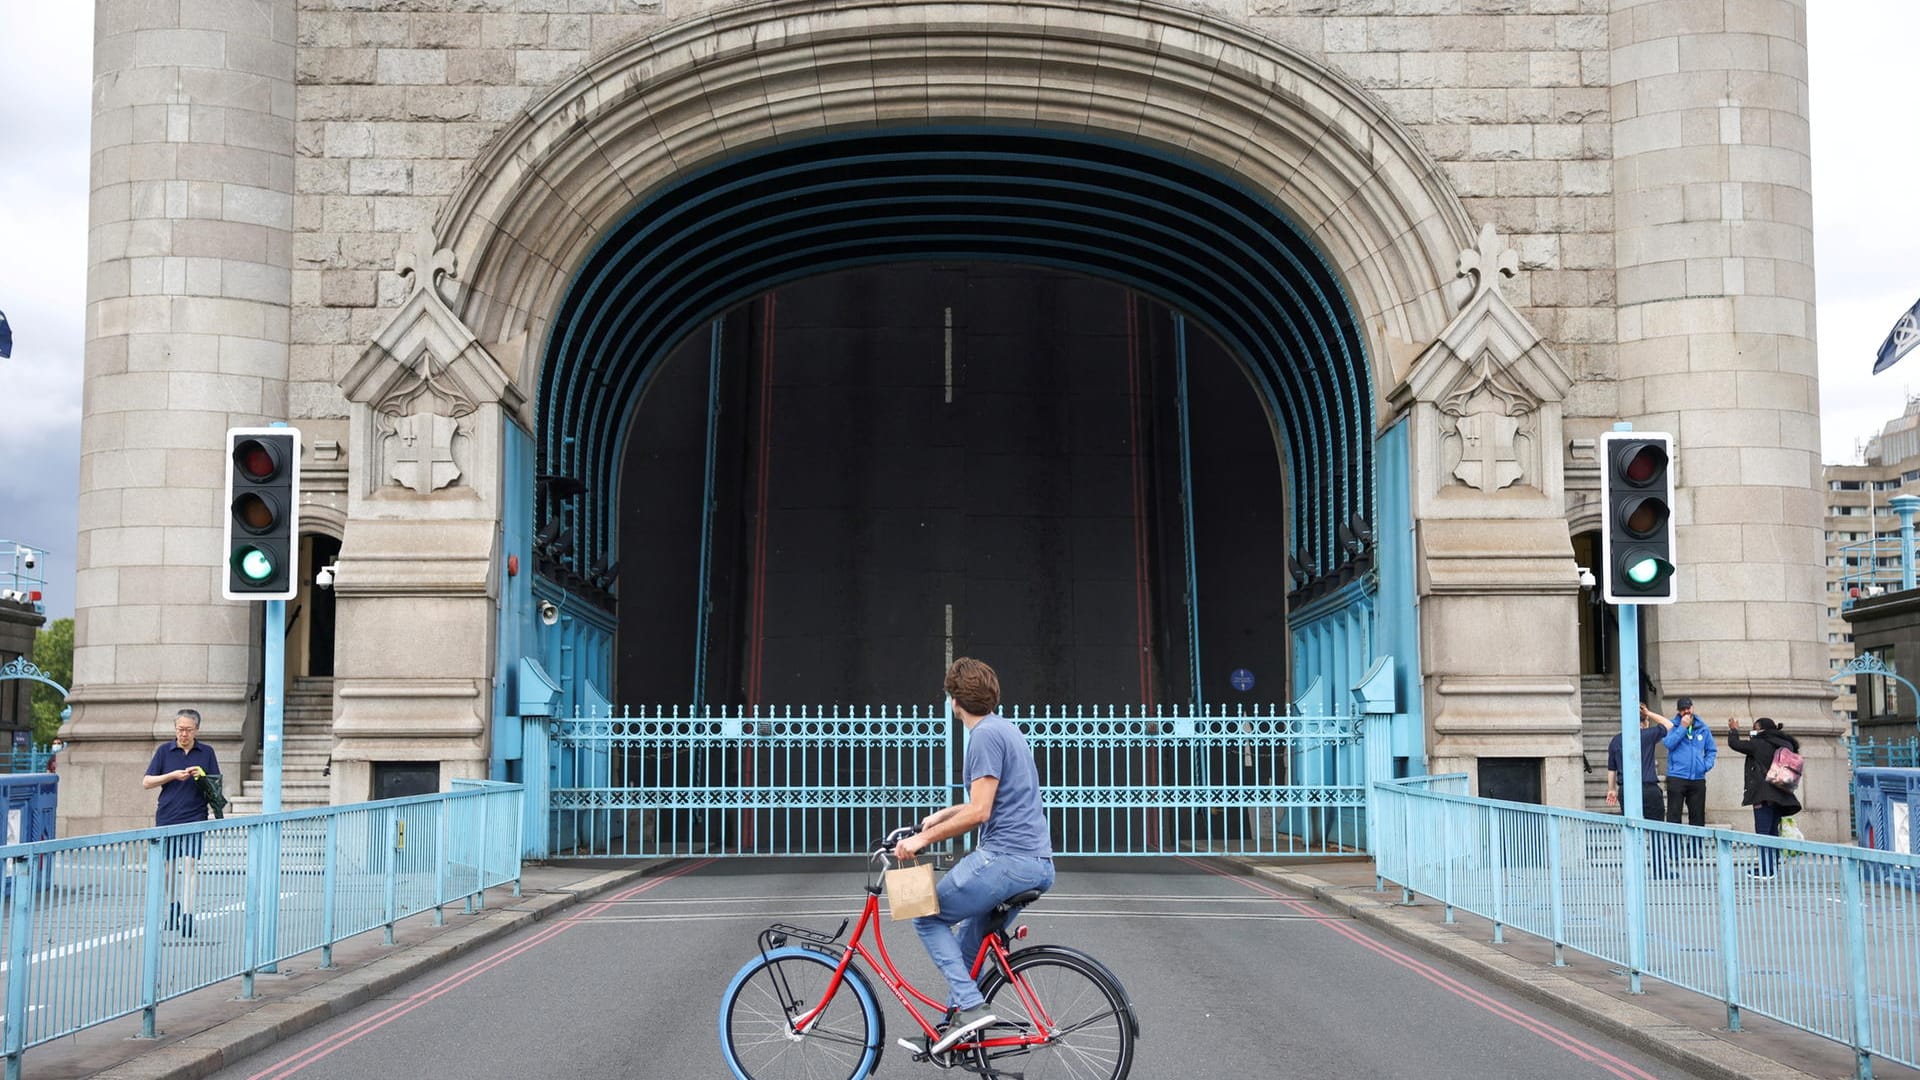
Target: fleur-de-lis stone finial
<point x="427" y="255"/>
<point x="1488" y="262"/>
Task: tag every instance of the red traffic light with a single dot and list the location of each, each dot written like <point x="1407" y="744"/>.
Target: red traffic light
<point x="255" y="459"/>
<point x="1640" y="462"/>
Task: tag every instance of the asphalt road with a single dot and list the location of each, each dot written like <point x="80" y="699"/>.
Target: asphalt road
<point x="1232" y="979"/>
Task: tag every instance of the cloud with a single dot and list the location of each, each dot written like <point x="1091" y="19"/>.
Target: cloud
<point x="45" y="113"/>
<point x="1866" y="234"/>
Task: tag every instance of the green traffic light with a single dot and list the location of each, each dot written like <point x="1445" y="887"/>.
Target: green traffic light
<point x="1646" y="570"/>
<point x="255" y="565"/>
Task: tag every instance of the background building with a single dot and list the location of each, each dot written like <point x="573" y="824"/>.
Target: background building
<point x="1858" y="513"/>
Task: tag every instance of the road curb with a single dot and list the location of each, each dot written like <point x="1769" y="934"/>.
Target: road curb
<point x="228" y="1042"/>
<point x="1699" y="1052"/>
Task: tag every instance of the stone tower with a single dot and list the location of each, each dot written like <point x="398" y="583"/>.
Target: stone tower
<point x="189" y="306"/>
<point x="1714" y="249"/>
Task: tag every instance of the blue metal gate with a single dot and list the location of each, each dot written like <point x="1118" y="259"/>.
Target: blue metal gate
<point x="666" y="782"/>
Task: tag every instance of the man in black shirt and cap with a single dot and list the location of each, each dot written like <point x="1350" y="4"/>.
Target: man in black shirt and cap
<point x="1653" y="728"/>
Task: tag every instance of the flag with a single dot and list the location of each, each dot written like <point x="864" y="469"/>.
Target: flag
<point x="6" y="337"/>
<point x="1905" y="335"/>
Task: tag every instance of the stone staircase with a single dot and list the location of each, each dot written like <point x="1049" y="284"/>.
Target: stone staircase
<point x="307" y="747"/>
<point x="1599" y="723"/>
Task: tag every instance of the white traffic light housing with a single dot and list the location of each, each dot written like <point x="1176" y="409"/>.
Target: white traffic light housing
<point x="261" y="533"/>
<point x="1636" y="535"/>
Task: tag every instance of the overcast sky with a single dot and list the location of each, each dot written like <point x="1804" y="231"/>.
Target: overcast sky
<point x="1866" y="161"/>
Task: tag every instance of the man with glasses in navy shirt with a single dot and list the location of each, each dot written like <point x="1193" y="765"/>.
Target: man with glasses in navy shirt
<point x="176" y="770"/>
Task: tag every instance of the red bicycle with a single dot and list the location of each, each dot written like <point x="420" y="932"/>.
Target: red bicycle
<point x="804" y="1010"/>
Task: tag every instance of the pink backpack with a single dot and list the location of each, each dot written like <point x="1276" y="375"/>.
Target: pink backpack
<point x="1784" y="773"/>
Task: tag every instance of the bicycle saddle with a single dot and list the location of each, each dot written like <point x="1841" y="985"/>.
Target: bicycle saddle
<point x="1017" y="900"/>
<point x="997" y="921"/>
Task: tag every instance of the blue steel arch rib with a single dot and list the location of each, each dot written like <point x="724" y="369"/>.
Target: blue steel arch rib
<point x="624" y="318"/>
<point x="751" y="278"/>
<point x="1196" y="240"/>
<point x="697" y="257"/>
<point x="1250" y="295"/>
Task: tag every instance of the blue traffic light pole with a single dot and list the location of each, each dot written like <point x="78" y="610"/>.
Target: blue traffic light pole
<point x="273" y="676"/>
<point x="1633" y="833"/>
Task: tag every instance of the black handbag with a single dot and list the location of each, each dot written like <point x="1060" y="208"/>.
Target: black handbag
<point x="214" y="790"/>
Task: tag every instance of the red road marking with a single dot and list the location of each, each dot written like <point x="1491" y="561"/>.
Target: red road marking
<point x="1626" y="1070"/>
<point x="394" y="1012"/>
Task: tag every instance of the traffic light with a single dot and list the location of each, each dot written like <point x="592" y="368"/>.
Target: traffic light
<point x="1636" y="494"/>
<point x="262" y="530"/>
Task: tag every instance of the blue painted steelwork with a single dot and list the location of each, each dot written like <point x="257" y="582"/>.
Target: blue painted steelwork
<point x="1118" y="211"/>
<point x="1333" y="647"/>
<point x="517" y="621"/>
<point x="273" y="712"/>
<point x="1186" y="510"/>
<point x="92" y="931"/>
<point x="27" y="761"/>
<point x="22" y="668"/>
<point x="1246" y="780"/>
<point x="1829" y="943"/>
<point x="1633" y="810"/>
<point x="577" y="652"/>
<point x="1893" y="753"/>
<point x="1397" y="599"/>
<point x="1905" y="506"/>
<point x="706" y="515"/>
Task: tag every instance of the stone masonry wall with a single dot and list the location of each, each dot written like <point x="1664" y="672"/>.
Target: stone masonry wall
<point x="1510" y="96"/>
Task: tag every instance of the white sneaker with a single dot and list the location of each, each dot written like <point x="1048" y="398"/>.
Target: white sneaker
<point x="965" y="1023"/>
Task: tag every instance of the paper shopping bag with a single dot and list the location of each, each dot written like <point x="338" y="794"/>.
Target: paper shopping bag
<point x="911" y="893"/>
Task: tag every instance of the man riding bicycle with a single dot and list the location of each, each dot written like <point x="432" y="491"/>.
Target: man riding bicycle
<point x="1014" y="853"/>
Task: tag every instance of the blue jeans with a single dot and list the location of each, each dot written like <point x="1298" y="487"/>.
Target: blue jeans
<point x="968" y="895"/>
<point x="1766" y="822"/>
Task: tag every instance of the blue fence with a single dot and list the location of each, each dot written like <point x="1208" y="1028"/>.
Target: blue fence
<point x="829" y="782"/>
<point x="1869" y="753"/>
<point x="101" y="927"/>
<point x="1822" y="937"/>
<point x="25" y="761"/>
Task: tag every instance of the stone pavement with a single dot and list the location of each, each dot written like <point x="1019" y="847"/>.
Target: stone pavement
<point x="1673" y="1024"/>
<point x="210" y="1029"/>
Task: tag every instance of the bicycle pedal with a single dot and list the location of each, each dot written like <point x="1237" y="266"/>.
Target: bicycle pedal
<point x="918" y="1051"/>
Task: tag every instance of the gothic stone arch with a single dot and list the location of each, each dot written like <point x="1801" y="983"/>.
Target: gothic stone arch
<point x="1481" y="392"/>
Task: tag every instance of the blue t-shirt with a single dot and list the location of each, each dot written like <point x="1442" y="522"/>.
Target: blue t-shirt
<point x="1017" y="825"/>
<point x="180" y="800"/>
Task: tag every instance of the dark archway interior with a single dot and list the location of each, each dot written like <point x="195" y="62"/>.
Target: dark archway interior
<point x="923" y="459"/>
<point x="1193" y="240"/>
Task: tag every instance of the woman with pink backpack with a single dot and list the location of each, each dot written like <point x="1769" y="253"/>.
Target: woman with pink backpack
<point x="1773" y="775"/>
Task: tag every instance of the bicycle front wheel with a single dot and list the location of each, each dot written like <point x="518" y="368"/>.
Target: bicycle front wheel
<point x="757" y="1035"/>
<point x="1086" y="1017"/>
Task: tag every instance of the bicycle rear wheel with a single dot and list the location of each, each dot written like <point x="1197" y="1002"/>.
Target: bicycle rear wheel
<point x="756" y="1031"/>
<point x="1087" y="1017"/>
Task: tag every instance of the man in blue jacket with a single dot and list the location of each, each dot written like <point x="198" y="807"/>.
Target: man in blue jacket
<point x="1691" y="752"/>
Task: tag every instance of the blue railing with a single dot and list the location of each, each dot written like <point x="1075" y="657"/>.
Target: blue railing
<point x="1114" y="781"/>
<point x="1890" y="754"/>
<point x="1869" y="568"/>
<point x="100" y="927"/>
<point x="1829" y="943"/>
<point x="25" y="761"/>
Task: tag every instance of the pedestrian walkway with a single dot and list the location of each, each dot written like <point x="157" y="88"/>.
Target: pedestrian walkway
<point x="209" y="1029"/>
<point x="1676" y="1025"/>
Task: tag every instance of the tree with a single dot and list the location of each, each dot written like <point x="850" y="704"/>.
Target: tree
<point x="52" y="654"/>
